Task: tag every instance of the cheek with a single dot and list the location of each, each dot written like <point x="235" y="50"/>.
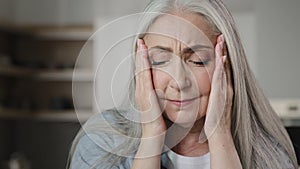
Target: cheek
<point x="204" y="82"/>
<point x="160" y="79"/>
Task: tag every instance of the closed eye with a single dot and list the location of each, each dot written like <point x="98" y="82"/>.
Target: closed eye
<point x="199" y="63"/>
<point x="159" y="57"/>
<point x="154" y="63"/>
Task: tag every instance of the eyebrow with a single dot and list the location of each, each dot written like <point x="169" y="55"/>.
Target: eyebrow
<point x="185" y="50"/>
<point x="162" y="48"/>
<point x="195" y="48"/>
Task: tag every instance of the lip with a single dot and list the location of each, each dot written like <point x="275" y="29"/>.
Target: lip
<point x="181" y="103"/>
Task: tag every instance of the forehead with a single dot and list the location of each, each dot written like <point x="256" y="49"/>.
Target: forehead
<point x="188" y="28"/>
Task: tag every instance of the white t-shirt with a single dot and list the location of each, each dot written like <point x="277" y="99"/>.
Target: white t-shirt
<point x="176" y="161"/>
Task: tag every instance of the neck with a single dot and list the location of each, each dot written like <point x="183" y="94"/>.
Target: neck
<point x="189" y="145"/>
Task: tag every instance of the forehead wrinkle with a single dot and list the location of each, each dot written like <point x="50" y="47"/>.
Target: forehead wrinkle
<point x="181" y="30"/>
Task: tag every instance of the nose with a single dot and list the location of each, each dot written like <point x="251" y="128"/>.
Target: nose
<point x="181" y="76"/>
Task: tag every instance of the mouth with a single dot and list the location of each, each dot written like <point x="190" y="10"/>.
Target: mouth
<point x="181" y="103"/>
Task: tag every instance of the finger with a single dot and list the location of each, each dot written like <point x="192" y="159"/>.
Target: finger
<point x="145" y="95"/>
<point x="139" y="55"/>
<point x="226" y="81"/>
<point x="229" y="83"/>
<point x="222" y="72"/>
<point x="219" y="83"/>
<point x="219" y="61"/>
<point x="217" y="98"/>
<point x="226" y="65"/>
<point x="143" y="72"/>
<point x="227" y="68"/>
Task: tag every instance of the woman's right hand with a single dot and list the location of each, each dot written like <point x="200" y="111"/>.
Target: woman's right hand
<point x="153" y="124"/>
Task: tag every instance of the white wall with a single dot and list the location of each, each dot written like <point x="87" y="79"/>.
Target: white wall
<point x="119" y="7"/>
<point x="246" y="24"/>
<point x="53" y="11"/>
<point x="62" y="12"/>
<point x="269" y="32"/>
<point x="6" y="10"/>
<point x="278" y="58"/>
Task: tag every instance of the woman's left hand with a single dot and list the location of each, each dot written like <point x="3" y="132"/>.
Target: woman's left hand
<point x="218" y="115"/>
<point x="217" y="125"/>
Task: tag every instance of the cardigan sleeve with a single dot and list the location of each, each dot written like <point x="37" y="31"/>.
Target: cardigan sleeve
<point x="92" y="149"/>
<point x="88" y="154"/>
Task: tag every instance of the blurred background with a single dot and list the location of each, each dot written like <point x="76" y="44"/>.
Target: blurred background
<point x="41" y="39"/>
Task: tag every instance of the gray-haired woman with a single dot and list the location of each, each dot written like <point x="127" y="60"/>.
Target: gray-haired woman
<point x="198" y="102"/>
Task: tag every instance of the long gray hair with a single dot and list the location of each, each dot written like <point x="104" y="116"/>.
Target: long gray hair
<point x="258" y="134"/>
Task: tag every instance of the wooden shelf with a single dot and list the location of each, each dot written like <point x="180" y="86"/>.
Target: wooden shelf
<point x="82" y="75"/>
<point x="74" y="35"/>
<point x="65" y="75"/>
<point x="288" y="111"/>
<point x="47" y="115"/>
<point x="65" y="33"/>
<point x="290" y="120"/>
<point x="57" y="46"/>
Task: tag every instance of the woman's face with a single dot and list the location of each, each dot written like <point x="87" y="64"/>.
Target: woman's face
<point x="181" y="53"/>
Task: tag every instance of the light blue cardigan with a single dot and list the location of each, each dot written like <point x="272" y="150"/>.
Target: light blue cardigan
<point x="92" y="147"/>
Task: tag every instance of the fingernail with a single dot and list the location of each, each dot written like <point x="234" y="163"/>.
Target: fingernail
<point x="222" y="46"/>
<point x="220" y="38"/>
<point x="139" y="42"/>
<point x="222" y="41"/>
<point x="224" y="59"/>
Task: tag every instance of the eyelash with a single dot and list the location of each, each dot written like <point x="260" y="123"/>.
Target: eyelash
<point x="200" y="63"/>
<point x="157" y="63"/>
<point x="195" y="62"/>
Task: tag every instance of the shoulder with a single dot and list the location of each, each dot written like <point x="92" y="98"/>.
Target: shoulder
<point x="86" y="152"/>
<point x="276" y="156"/>
<point x="97" y="141"/>
<point x="283" y="155"/>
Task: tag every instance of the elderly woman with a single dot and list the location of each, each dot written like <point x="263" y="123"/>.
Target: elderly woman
<point x="198" y="103"/>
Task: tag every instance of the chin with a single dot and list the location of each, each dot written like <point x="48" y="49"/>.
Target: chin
<point x="182" y="118"/>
